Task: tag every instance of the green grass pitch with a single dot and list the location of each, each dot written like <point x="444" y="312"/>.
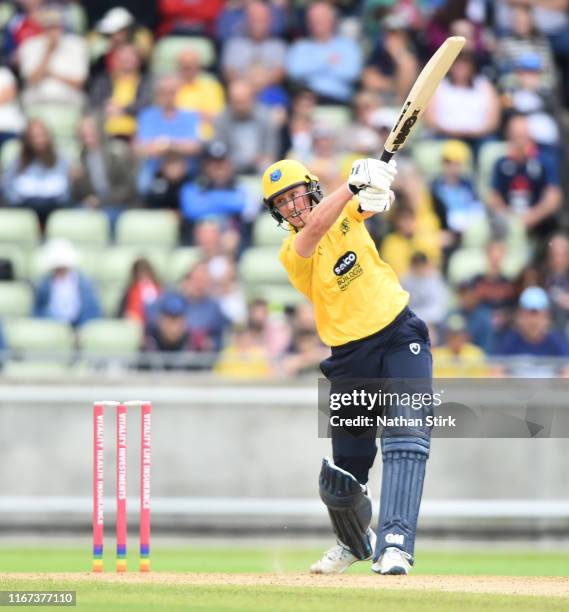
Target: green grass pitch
<point x="97" y="595"/>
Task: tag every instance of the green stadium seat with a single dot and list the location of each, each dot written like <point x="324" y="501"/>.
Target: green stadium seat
<point x="477" y="234"/>
<point x="148" y="228"/>
<point x="110" y="296"/>
<point x="110" y="337"/>
<point x="266" y="231"/>
<point x="276" y="295"/>
<point x="40" y="336"/>
<point x="10" y="152"/>
<point x="35" y="370"/>
<point x="334" y="117"/>
<point x="17" y="257"/>
<point x="253" y="183"/>
<point x="60" y="119"/>
<point x="168" y="49"/>
<point x="428" y="157"/>
<point x="261" y="266"/>
<point x="19" y="226"/>
<point x="487" y="157"/>
<point x="82" y="227"/>
<point x="16" y="299"/>
<point x="465" y="264"/>
<point x="179" y="262"/>
<point x="116" y="263"/>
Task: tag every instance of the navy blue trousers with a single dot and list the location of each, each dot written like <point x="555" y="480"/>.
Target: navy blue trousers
<point x="402" y="350"/>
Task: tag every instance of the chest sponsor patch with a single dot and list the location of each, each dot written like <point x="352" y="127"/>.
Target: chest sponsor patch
<point x="347" y="269"/>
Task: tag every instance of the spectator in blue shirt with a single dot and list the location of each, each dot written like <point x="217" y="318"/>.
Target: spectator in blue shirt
<point x="326" y="63"/>
<point x="532" y="332"/>
<point x="164" y="129"/>
<point x="64" y="293"/>
<point x="478" y="317"/>
<point x="525" y="182"/>
<point x="215" y="194"/>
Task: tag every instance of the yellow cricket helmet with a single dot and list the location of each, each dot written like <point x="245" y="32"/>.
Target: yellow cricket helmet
<point x="282" y="176"/>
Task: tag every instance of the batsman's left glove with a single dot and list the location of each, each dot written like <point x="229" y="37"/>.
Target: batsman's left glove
<point x="374" y="200"/>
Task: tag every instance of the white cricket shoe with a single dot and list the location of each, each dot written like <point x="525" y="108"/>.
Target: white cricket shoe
<point x="392" y="561"/>
<point x="338" y="558"/>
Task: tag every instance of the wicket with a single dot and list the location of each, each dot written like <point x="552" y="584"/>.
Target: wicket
<point x="121" y="490"/>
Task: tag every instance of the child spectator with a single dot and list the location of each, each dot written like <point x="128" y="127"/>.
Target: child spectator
<point x="64" y="293"/>
<point x="144" y="288"/>
<point x="455" y="200"/>
<point x="40" y="178"/>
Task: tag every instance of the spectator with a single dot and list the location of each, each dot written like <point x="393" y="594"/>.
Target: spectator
<point x="478" y="316"/>
<point x="271" y="328"/>
<point x="457" y="357"/>
<point x="25" y="24"/>
<point x="556" y="279"/>
<point x="244" y="357"/>
<point x="40" y="178"/>
<point x="54" y="65"/>
<point x="188" y="16"/>
<point x="247" y="131"/>
<point x="105" y="176"/>
<point x="163" y="129"/>
<point x="325" y="62"/>
<point x="456" y="203"/>
<point x="525" y="182"/>
<point x="297" y="132"/>
<point x="532" y="333"/>
<point x="64" y="293"/>
<point x="120" y="28"/>
<point x="231" y="296"/>
<point x="465" y="105"/>
<point x="218" y="247"/>
<point x="427" y="290"/>
<point x="306" y="350"/>
<point x="392" y="67"/>
<point x="526" y="96"/>
<point x="165" y="188"/>
<point x="233" y="19"/>
<point x="257" y="57"/>
<point x="524" y="39"/>
<point x="199" y="92"/>
<point x="144" y="288"/>
<point x="399" y="245"/>
<point x="495" y="289"/>
<point x="215" y="194"/>
<point x="120" y="94"/>
<point x="169" y="333"/>
<point x="205" y="318"/>
<point x="12" y="120"/>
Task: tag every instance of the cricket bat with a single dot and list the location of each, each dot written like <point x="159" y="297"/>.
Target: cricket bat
<point x="421" y="93"/>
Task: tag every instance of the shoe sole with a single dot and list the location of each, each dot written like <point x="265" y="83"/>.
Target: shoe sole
<point x="394" y="571"/>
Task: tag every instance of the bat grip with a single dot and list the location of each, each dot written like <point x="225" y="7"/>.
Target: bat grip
<point x="386" y="156"/>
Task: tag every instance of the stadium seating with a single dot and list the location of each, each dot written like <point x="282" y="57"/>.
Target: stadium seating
<point x="428" y="157"/>
<point x="116" y="263"/>
<point x="110" y="337"/>
<point x="17" y="257"/>
<point x="465" y="264"/>
<point x="260" y="265"/>
<point x="16" y="299"/>
<point x="179" y="262"/>
<point x="148" y="228"/>
<point x="28" y="336"/>
<point x="19" y="226"/>
<point x="487" y="157"/>
<point x="279" y="295"/>
<point x="334" y="117"/>
<point x="266" y="232"/>
<point x="80" y="226"/>
<point x="167" y="50"/>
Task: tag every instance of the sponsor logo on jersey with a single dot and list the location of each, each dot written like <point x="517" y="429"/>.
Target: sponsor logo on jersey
<point x="347" y="269"/>
<point x="345" y="226"/>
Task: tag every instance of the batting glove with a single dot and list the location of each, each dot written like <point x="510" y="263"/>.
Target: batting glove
<point x="375" y="200"/>
<point x="372" y="173"/>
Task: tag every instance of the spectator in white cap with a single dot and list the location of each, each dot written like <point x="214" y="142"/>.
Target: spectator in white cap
<point x="54" y="64"/>
<point x="532" y="332"/>
<point x="64" y="293"/>
<point x="119" y="27"/>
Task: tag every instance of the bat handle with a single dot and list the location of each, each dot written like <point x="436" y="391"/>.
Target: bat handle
<point x="386" y="156"/>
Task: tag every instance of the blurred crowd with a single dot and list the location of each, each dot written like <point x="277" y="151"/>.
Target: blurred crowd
<point x="179" y="105"/>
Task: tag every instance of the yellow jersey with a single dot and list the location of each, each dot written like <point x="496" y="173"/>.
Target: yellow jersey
<point x="354" y="292"/>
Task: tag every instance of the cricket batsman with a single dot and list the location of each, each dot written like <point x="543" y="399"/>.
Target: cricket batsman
<point x="362" y="314"/>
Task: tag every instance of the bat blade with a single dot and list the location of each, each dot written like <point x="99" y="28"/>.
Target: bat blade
<point x="421" y="93"/>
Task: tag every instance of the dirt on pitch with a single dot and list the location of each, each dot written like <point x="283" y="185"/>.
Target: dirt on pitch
<point x="504" y="585"/>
